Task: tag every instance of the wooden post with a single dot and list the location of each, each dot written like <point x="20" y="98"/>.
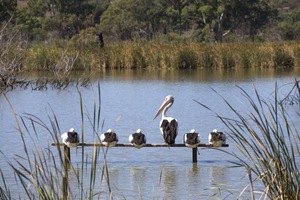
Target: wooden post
<point x="194" y="154"/>
<point x="67" y="162"/>
<point x="67" y="155"/>
<point x="65" y="187"/>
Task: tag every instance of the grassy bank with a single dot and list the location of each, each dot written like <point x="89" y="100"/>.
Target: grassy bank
<point x="162" y="55"/>
<point x="62" y="57"/>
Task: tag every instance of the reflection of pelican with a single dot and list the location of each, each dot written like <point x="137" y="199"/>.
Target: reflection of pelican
<point x="109" y="138"/>
<point x="191" y="139"/>
<point x="217" y="138"/>
<point x="71" y="138"/>
<point x="137" y="139"/>
<point x="168" y="125"/>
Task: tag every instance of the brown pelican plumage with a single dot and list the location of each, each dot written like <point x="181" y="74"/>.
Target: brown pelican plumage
<point x="137" y="139"/>
<point x="168" y="125"/>
<point x="70" y="138"/>
<point x="216" y="138"/>
<point x="109" y="138"/>
<point x="191" y="139"/>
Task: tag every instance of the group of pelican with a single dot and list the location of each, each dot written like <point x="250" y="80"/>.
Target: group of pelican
<point x="168" y="127"/>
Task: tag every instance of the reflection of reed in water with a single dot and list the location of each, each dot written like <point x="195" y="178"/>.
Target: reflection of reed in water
<point x="217" y="174"/>
<point x="193" y="176"/>
<point x="168" y="182"/>
<point x="137" y="180"/>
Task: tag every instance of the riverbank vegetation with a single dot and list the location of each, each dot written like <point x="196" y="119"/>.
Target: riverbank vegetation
<point x="61" y="57"/>
<point x="63" y="36"/>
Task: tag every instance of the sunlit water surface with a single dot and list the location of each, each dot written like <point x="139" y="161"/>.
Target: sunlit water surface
<point x="129" y="100"/>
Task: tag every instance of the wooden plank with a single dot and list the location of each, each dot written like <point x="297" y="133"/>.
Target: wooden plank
<point x="146" y="145"/>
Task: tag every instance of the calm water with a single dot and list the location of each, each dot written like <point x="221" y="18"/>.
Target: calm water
<point x="129" y="100"/>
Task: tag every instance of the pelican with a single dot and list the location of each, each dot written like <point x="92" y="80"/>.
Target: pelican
<point x="168" y="125"/>
<point x="216" y="138"/>
<point x="70" y="138"/>
<point x="191" y="139"/>
<point x="109" y="138"/>
<point x="137" y="139"/>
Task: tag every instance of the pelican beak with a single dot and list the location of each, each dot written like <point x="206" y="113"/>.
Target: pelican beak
<point x="163" y="105"/>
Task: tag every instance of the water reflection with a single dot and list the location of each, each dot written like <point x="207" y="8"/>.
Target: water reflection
<point x="175" y="75"/>
<point x="169" y="182"/>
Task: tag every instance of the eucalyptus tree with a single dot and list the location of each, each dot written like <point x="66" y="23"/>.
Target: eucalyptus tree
<point x="7" y="9"/>
<point x="30" y="19"/>
<point x="130" y="19"/>
<point x="289" y="25"/>
<point x="221" y="17"/>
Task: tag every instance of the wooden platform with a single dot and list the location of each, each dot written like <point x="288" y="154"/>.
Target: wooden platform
<point x="146" y="145"/>
<point x="194" y="150"/>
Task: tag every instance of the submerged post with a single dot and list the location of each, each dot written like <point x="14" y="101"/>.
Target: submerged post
<point x="194" y="154"/>
<point x="67" y="161"/>
<point x="67" y="155"/>
<point x="65" y="187"/>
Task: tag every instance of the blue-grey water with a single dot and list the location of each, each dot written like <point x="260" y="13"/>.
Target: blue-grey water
<point x="129" y="100"/>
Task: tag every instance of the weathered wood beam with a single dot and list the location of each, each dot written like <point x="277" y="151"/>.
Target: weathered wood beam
<point x="146" y="145"/>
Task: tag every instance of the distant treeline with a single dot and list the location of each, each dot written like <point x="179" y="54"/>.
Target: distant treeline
<point x="159" y="20"/>
<point x="63" y="36"/>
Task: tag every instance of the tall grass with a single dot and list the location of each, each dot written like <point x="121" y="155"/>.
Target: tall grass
<point x="194" y="55"/>
<point x="42" y="172"/>
<point x="269" y="144"/>
<point x="133" y="55"/>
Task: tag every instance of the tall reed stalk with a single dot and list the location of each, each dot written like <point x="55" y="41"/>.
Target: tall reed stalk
<point x="269" y="144"/>
<point x="40" y="170"/>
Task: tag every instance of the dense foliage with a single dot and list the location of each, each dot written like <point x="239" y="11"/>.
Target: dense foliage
<point x="193" y="20"/>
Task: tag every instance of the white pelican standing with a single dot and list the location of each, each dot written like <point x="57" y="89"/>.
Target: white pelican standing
<point x="137" y="139"/>
<point x="168" y="125"/>
<point x="70" y="138"/>
<point x="216" y="138"/>
<point x="191" y="139"/>
<point x="109" y="138"/>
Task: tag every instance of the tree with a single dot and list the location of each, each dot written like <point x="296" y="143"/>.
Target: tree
<point x="224" y="17"/>
<point x="127" y="22"/>
<point x="31" y="18"/>
<point x="7" y="9"/>
<point x="289" y="24"/>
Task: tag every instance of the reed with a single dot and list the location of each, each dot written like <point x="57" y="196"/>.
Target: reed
<point x="269" y="144"/>
<point x="137" y="55"/>
<point x="41" y="171"/>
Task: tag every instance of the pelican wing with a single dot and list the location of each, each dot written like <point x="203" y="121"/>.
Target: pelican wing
<point x="192" y="138"/>
<point x="169" y="130"/>
<point x="72" y="137"/>
<point x="139" y="138"/>
<point x="110" y="137"/>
